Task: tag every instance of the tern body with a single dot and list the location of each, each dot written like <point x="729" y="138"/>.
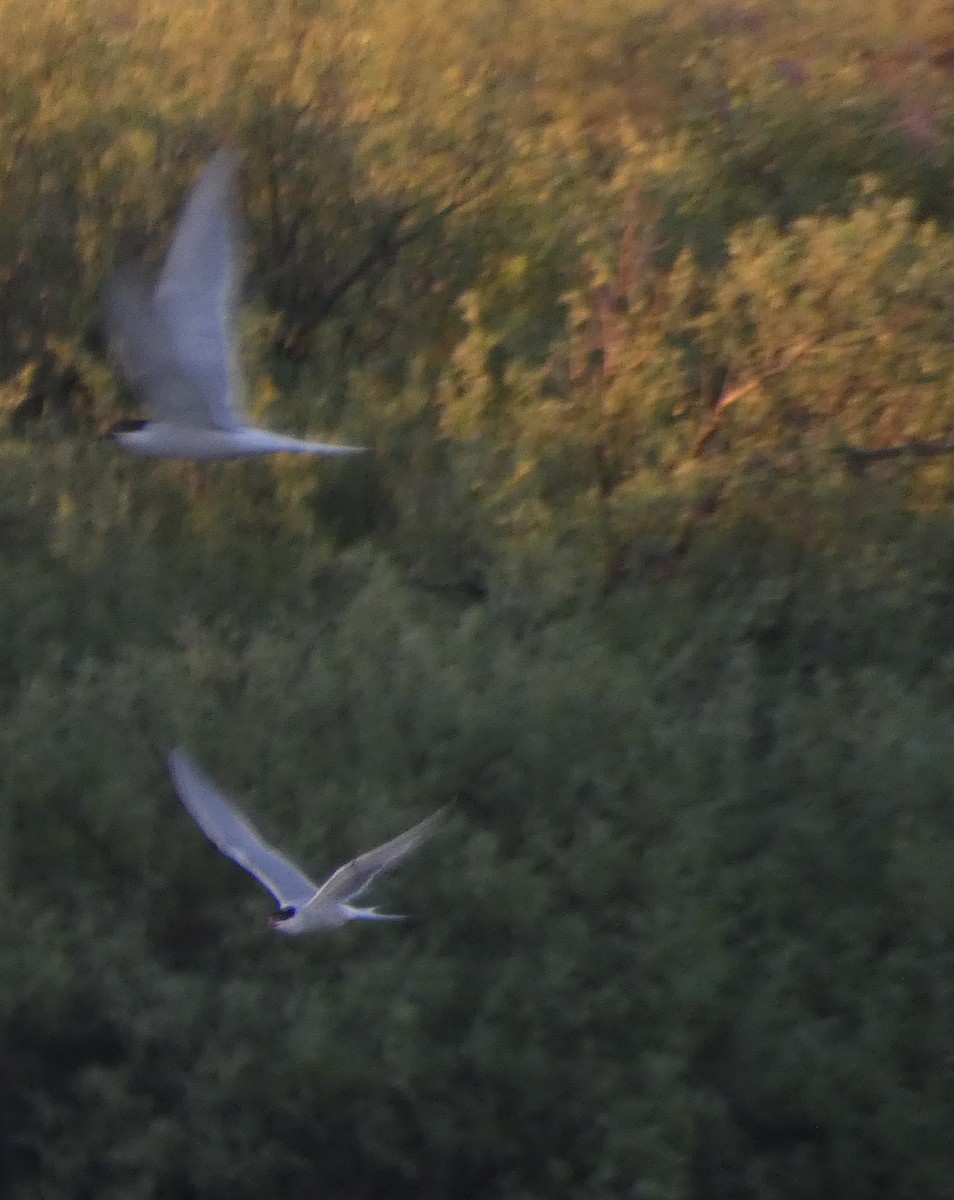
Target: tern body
<point x="303" y="906"/>
<point x="163" y="439"/>
<point x="176" y="342"/>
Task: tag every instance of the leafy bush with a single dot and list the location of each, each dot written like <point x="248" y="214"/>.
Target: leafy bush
<point x="645" y="313"/>
<point x="681" y="933"/>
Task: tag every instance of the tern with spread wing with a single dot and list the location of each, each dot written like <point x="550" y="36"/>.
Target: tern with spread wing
<point x="176" y="343"/>
<point x="303" y="907"/>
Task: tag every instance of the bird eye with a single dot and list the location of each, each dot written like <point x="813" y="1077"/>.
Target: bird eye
<point x="284" y="913"/>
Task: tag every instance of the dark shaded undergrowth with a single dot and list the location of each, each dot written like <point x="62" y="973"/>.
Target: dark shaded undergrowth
<point x="609" y="293"/>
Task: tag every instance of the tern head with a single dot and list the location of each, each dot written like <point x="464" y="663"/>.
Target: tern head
<point x="119" y="431"/>
<point x="286" y="920"/>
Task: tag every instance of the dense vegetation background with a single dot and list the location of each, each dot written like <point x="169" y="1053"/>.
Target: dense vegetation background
<point x="646" y="311"/>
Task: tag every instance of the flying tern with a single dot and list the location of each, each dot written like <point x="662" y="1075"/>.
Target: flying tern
<point x="176" y="342"/>
<point x="303" y="906"/>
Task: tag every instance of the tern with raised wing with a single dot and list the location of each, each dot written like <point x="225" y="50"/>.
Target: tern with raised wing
<point x="303" y="906"/>
<point x="176" y="342"/>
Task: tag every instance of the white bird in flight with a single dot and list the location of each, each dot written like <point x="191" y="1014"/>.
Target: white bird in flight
<point x="177" y="343"/>
<point x="303" y="907"/>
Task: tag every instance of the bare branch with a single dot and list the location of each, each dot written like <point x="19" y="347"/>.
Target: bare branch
<point x="859" y="456"/>
<point x="743" y="389"/>
<point x="385" y="243"/>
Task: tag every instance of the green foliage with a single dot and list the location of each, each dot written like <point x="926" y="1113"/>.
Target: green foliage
<point x="675" y="393"/>
<point x="609" y="289"/>
<point x="675" y="918"/>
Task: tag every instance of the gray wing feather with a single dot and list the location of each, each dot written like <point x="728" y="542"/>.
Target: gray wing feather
<point x="196" y="297"/>
<point x="234" y="836"/>
<point x="351" y="879"/>
<point x="140" y="339"/>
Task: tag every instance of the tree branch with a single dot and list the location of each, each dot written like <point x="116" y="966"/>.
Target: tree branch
<point x="385" y="243"/>
<point x="742" y="390"/>
<point x="859" y="456"/>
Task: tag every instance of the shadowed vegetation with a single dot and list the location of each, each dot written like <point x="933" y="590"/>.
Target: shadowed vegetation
<point x="646" y="314"/>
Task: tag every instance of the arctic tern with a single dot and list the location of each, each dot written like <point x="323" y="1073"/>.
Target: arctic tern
<point x="303" y="906"/>
<point x="176" y="343"/>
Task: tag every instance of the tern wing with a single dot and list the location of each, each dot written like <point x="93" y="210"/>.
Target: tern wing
<point x="139" y="337"/>
<point x="234" y="836"/>
<point x="351" y="879"/>
<point x="197" y="293"/>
